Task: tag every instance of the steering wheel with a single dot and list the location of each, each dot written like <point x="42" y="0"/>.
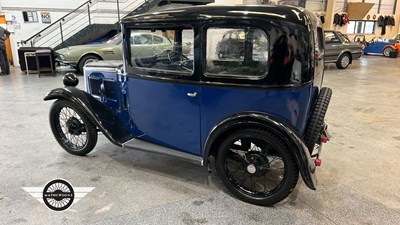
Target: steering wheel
<point x="179" y="58"/>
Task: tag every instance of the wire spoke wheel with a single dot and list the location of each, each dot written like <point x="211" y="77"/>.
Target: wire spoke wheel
<point x="255" y="172"/>
<point x="256" y="166"/>
<point x="71" y="128"/>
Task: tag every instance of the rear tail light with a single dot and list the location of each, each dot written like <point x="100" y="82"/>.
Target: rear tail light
<point x="318" y="162"/>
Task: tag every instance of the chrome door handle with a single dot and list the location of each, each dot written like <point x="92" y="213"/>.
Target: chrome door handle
<point x="193" y="94"/>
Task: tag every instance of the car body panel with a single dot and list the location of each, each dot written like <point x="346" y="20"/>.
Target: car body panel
<point x="231" y="101"/>
<point x="336" y="45"/>
<point x="166" y="114"/>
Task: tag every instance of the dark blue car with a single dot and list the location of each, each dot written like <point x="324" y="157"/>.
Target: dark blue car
<point x="261" y="115"/>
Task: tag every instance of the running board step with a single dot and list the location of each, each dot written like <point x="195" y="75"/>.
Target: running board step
<point x="137" y="144"/>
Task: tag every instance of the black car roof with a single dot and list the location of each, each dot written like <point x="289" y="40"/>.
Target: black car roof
<point x="203" y="13"/>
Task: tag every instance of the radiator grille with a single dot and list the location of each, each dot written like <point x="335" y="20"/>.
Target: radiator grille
<point x="95" y="86"/>
<point x="109" y="89"/>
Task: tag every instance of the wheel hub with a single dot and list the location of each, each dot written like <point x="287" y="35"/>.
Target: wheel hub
<point x="254" y="164"/>
<point x="251" y="169"/>
<point x="74" y="126"/>
<point x="345" y="61"/>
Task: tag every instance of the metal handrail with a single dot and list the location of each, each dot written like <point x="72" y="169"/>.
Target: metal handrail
<point x="76" y="19"/>
<point x="55" y="22"/>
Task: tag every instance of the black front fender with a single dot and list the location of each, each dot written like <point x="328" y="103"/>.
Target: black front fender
<point x="279" y="127"/>
<point x="97" y="112"/>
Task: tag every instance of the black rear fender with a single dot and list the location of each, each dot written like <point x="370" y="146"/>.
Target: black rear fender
<point x="99" y="114"/>
<point x="273" y="124"/>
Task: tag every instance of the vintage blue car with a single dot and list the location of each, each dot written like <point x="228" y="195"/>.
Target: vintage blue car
<point x="261" y="116"/>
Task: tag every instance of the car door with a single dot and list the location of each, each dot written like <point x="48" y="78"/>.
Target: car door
<point x="112" y="51"/>
<point x="374" y="46"/>
<point x="164" y="102"/>
<point x="333" y="46"/>
<point x="117" y="49"/>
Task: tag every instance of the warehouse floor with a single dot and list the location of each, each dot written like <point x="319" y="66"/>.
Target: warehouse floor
<point x="359" y="180"/>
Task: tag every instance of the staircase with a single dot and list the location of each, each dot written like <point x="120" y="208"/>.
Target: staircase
<point x="89" y="33"/>
<point x="88" y="22"/>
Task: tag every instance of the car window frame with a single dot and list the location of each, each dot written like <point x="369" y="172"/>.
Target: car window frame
<point x="170" y="75"/>
<point x="228" y="25"/>
<point x="157" y="36"/>
<point x="343" y="37"/>
<point x="330" y="41"/>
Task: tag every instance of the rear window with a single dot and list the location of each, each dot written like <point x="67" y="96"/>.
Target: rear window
<point x="238" y="53"/>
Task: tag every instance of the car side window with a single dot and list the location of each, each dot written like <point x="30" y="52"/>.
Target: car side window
<point x="244" y="58"/>
<point x="137" y="40"/>
<point x="157" y="40"/>
<point x="331" y="37"/>
<point x="163" y="52"/>
<point x="319" y="43"/>
<point x="147" y="39"/>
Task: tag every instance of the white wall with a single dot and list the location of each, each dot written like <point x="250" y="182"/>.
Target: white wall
<point x="66" y="4"/>
<point x="56" y="8"/>
<point x="105" y="12"/>
<point x="391" y="31"/>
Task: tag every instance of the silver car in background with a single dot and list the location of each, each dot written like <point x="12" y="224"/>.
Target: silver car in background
<point x="340" y="50"/>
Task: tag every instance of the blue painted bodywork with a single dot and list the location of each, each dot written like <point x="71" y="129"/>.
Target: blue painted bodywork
<point x="164" y="114"/>
<point x="376" y="47"/>
<point x="96" y="78"/>
<point x="102" y="116"/>
<point x="218" y="103"/>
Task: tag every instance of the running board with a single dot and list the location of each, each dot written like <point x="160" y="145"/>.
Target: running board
<point x="144" y="146"/>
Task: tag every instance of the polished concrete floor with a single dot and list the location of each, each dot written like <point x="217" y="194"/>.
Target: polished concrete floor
<point x="359" y="180"/>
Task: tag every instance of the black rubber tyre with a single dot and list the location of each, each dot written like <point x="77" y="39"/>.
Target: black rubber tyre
<point x="316" y="121"/>
<point x="85" y="59"/>
<point x="343" y="61"/>
<point x="247" y="162"/>
<point x="71" y="128"/>
<point x="386" y="51"/>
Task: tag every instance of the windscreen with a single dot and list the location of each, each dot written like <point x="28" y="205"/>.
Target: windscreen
<point x="115" y="40"/>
